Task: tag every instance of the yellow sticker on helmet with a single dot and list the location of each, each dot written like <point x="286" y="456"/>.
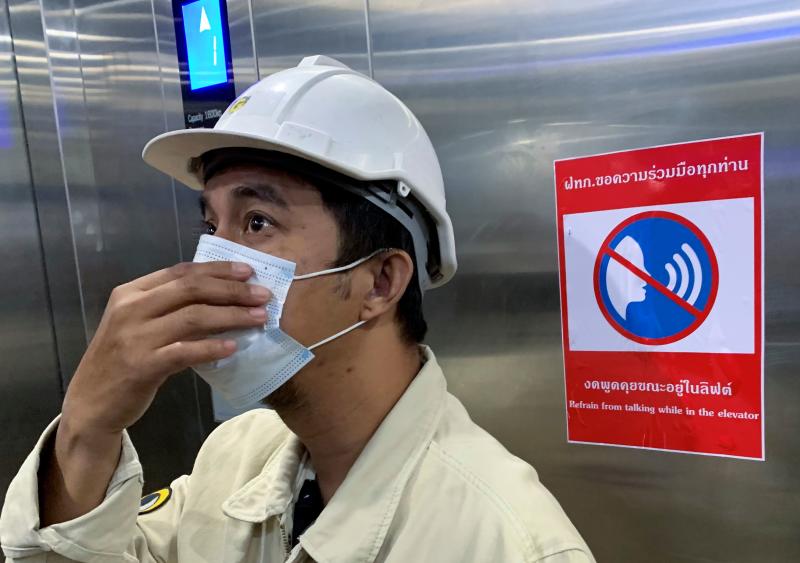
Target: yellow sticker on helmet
<point x="155" y="500"/>
<point x="237" y="105"/>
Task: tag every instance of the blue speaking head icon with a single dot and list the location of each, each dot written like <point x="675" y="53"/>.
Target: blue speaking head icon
<point x="656" y="278"/>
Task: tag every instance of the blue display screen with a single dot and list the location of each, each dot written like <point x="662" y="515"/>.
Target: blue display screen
<point x="205" y="43"/>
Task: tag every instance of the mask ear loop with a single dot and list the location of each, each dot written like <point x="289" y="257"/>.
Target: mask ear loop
<point x="337" y="335"/>
<point x="349" y="266"/>
<point x="333" y="271"/>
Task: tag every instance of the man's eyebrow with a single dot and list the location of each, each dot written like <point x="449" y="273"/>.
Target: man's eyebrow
<point x="264" y="192"/>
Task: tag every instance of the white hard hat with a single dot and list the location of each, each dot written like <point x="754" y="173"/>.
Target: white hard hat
<point x="327" y="113"/>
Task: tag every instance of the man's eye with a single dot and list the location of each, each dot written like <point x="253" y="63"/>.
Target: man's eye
<point x="258" y="222"/>
<point x="208" y="228"/>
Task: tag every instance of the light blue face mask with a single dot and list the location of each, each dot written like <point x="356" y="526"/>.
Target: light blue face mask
<point x="265" y="357"/>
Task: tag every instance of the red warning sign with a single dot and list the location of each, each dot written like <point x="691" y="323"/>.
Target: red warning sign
<point x="661" y="276"/>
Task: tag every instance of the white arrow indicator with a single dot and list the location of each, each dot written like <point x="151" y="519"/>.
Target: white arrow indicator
<point x="204" y="23"/>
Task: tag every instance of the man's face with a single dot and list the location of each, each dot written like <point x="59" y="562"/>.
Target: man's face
<point x="281" y="214"/>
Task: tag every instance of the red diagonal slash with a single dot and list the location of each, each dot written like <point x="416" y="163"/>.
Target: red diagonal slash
<point x="691" y="309"/>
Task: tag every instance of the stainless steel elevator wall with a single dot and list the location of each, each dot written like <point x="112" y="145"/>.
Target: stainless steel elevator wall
<point x="30" y="389"/>
<point x="503" y="87"/>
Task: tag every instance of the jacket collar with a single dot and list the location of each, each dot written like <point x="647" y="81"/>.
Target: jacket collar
<point x="355" y="521"/>
<point x="270" y="492"/>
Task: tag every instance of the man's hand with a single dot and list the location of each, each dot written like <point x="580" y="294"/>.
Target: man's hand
<point x="152" y="328"/>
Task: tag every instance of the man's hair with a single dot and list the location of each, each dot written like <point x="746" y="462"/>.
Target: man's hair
<point x="363" y="227"/>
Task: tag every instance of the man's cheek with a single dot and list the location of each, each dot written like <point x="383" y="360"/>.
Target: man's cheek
<point x="277" y="247"/>
<point x="304" y="313"/>
<point x="293" y="317"/>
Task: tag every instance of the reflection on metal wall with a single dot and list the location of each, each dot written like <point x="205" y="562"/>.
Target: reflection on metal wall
<point x="287" y="30"/>
<point x="47" y="173"/>
<point x="29" y="386"/>
<point x="503" y="88"/>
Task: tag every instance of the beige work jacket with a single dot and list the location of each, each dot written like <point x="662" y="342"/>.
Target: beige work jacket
<point x="430" y="486"/>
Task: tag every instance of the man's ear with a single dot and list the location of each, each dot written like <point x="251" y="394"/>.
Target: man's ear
<point x="390" y="273"/>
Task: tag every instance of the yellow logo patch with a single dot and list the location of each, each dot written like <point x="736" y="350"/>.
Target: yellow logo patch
<point x="237" y="105"/>
<point x="155" y="500"/>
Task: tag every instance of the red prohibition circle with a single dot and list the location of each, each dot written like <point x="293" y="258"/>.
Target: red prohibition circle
<point x="712" y="296"/>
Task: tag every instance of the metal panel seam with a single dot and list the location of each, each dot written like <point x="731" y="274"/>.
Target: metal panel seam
<point x="369" y="39"/>
<point x="35" y="201"/>
<point x="63" y="169"/>
<point x="253" y="39"/>
<point x="166" y="127"/>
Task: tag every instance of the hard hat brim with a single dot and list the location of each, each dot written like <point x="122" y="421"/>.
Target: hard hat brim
<point x="174" y="153"/>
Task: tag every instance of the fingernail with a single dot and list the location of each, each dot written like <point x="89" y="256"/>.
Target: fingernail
<point x="259" y="291"/>
<point x="229" y="345"/>
<point x="258" y="313"/>
<point x="241" y="268"/>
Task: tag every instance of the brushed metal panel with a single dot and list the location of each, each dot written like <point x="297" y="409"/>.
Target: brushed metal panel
<point x="123" y="212"/>
<point x="30" y="390"/>
<point x="243" y="47"/>
<point x="47" y="173"/>
<point x="288" y="30"/>
<point x="506" y="87"/>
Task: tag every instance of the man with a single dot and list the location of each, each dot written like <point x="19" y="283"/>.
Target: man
<point x="319" y="175"/>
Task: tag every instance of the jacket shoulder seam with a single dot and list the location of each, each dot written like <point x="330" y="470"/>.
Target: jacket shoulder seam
<point x="543" y="558"/>
<point x="533" y="555"/>
<point x="487" y="491"/>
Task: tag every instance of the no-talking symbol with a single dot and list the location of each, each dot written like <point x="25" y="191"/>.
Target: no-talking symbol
<point x="656" y="277"/>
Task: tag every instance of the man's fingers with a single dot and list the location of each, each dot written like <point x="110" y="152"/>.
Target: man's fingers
<point x="180" y="355"/>
<point x="203" y="289"/>
<point x="204" y="320"/>
<point x="225" y="270"/>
